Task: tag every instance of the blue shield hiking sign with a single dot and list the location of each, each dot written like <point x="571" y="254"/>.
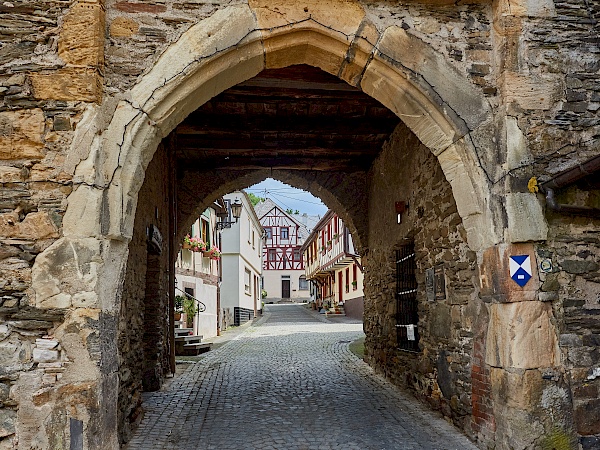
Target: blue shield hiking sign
<point x="520" y="269"/>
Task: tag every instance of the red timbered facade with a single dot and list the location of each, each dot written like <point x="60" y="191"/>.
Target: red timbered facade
<point x="282" y="241"/>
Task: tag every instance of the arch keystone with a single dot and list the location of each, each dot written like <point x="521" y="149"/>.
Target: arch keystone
<point x="314" y="33"/>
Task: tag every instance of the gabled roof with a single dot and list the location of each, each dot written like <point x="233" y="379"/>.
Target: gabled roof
<point x="263" y="208"/>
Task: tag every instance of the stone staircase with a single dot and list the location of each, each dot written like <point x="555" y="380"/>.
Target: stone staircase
<point x="186" y="344"/>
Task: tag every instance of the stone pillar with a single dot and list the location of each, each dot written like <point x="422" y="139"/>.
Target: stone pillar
<point x="527" y="388"/>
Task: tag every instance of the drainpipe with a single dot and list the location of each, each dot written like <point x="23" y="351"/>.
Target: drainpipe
<point x="564" y="179"/>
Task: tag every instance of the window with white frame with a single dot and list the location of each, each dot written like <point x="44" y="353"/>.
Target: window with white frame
<point x="302" y="283"/>
<point x="247" y="278"/>
<point x="285" y="233"/>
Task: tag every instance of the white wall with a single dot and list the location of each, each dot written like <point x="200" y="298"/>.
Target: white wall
<point x="272" y="284"/>
<point x="241" y="249"/>
<point x="205" y="323"/>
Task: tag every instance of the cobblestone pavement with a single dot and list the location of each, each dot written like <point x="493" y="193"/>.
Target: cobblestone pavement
<point x="289" y="382"/>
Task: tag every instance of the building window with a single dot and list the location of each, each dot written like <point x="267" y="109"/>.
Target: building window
<point x="354" y="277"/>
<point x="407" y="317"/>
<point x="205" y="231"/>
<point x="347" y="280"/>
<point x="268" y="233"/>
<point x="249" y="230"/>
<point x="272" y="254"/>
<point x="297" y="254"/>
<point x="253" y="240"/>
<point x="302" y="283"/>
<point x="285" y="233"/>
<point x="247" y="277"/>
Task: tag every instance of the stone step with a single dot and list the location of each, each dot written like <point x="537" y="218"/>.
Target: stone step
<point x="183" y="331"/>
<point x="195" y="349"/>
<point x="188" y="339"/>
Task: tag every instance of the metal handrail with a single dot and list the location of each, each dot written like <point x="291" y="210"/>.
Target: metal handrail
<point x="201" y="306"/>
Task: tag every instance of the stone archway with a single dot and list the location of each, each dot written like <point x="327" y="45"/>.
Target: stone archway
<point x="444" y="111"/>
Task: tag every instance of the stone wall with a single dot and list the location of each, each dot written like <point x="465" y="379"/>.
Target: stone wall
<point x="519" y="81"/>
<point x="572" y="287"/>
<point x="143" y="338"/>
<point x="441" y="373"/>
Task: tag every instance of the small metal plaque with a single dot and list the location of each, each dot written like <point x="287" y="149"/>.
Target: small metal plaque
<point x="430" y="284"/>
<point x="440" y="283"/>
<point x="435" y="283"/>
<point x="546" y="265"/>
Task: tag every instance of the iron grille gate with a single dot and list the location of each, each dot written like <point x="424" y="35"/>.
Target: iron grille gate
<point x="406" y="299"/>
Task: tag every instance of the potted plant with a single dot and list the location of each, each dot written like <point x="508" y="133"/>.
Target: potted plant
<point x="354" y="284"/>
<point x="194" y="244"/>
<point x="263" y="293"/>
<point x="213" y="253"/>
<point x="336" y="236"/>
<point x="347" y="288"/>
<point x="178" y="306"/>
<point x="190" y="309"/>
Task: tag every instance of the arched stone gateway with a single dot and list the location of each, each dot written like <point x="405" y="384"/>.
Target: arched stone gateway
<point x="525" y="346"/>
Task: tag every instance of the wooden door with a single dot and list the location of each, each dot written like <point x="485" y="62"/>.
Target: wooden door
<point x="285" y="289"/>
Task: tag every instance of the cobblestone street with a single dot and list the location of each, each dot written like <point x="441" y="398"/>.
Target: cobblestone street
<point x="289" y="381"/>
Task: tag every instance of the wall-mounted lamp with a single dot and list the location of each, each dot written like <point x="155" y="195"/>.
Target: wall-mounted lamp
<point x="223" y="215"/>
<point x="401" y="208"/>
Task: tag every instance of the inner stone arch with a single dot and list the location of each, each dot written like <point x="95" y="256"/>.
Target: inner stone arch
<point x="341" y="194"/>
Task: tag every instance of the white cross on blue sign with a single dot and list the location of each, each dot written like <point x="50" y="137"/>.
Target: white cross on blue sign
<point x="520" y="269"/>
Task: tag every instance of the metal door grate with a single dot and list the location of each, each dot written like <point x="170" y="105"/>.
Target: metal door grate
<point x="406" y="299"/>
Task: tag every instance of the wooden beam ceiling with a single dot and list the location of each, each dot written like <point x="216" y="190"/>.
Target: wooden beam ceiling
<point x="293" y="118"/>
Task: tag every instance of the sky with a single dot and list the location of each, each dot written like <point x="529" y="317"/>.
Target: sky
<point x="289" y="197"/>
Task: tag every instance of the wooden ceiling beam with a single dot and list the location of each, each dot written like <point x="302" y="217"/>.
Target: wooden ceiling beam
<point x="261" y="124"/>
<point x="291" y="163"/>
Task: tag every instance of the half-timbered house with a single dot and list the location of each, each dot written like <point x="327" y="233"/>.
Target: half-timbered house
<point x="333" y="267"/>
<point x="283" y="268"/>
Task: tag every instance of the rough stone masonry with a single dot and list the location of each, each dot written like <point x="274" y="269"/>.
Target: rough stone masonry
<point x="496" y="99"/>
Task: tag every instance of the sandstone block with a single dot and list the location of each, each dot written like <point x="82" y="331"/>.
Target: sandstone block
<point x="346" y="15"/>
<point x="70" y="83"/>
<point x="123" y="27"/>
<point x="81" y="40"/>
<point x="47" y="344"/>
<point x="44" y="355"/>
<point x="21" y="135"/>
<point x="521" y="389"/>
<point x="530" y="93"/>
<point x="522" y="336"/>
<point x="359" y="53"/>
<point x="66" y="268"/>
<point x="526" y="221"/>
<point x="526" y="8"/>
<point x="37" y="225"/>
<point x="495" y="278"/>
<point x="11" y="174"/>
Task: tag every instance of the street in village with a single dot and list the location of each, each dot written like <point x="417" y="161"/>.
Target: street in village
<point x="288" y="381"/>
